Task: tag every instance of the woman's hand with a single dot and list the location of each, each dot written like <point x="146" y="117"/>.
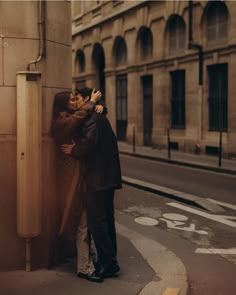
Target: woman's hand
<point x="95" y="95"/>
<point x="99" y="108"/>
<point x="67" y="148"/>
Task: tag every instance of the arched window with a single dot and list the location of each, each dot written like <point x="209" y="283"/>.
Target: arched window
<point x="145" y="42"/>
<point x="98" y="61"/>
<point x="120" y="51"/>
<point x="80" y="61"/>
<point x="216" y="21"/>
<point x="176" y="34"/>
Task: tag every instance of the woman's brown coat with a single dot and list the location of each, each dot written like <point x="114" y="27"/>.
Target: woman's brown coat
<point x="63" y="130"/>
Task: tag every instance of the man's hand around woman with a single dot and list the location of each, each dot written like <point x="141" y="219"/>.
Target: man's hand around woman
<point x="67" y="148"/>
<point x="99" y="108"/>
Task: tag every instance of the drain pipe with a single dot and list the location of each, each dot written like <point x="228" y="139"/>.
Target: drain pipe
<point x="41" y="23"/>
<point x="193" y="45"/>
<point x="24" y="89"/>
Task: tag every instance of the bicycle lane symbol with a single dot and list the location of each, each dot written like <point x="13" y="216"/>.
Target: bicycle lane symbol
<point x="173" y="221"/>
<point x="176" y="221"/>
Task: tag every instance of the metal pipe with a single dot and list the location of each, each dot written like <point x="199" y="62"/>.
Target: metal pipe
<point x="168" y="142"/>
<point x="220" y="125"/>
<point x="28" y="254"/>
<point x="193" y="45"/>
<point x="41" y="35"/>
<point x="190" y="20"/>
<point x="133" y="139"/>
<point x="220" y="148"/>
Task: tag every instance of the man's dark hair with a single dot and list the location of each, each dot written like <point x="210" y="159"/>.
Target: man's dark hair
<point x="84" y="92"/>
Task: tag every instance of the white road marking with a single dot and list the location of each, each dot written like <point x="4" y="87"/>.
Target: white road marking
<point x="231" y="251"/>
<point x="173" y="216"/>
<point x="146" y="221"/>
<point x="217" y="218"/>
<point x="224" y="204"/>
<point x="204" y="203"/>
<point x="174" y="224"/>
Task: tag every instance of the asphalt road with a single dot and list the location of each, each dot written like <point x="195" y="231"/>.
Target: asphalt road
<point x="184" y="232"/>
<point x="207" y="184"/>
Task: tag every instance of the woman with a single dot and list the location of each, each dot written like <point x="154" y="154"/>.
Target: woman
<point x="73" y="220"/>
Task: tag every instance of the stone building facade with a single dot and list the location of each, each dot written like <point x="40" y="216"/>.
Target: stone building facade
<point x="165" y="67"/>
<point x="20" y="43"/>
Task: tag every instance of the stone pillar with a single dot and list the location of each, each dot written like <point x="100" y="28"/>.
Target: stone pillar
<point x="20" y="45"/>
<point x="161" y="107"/>
<point x="135" y="113"/>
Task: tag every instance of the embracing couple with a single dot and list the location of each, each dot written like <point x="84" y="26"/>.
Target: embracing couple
<point x="90" y="173"/>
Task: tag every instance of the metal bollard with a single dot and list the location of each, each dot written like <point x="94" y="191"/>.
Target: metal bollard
<point x="133" y="139"/>
<point x="168" y="142"/>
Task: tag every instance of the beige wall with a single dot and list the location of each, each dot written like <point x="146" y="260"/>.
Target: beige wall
<point x="110" y="19"/>
<point x="19" y="44"/>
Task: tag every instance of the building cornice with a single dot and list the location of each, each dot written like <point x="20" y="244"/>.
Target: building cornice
<point x="99" y="21"/>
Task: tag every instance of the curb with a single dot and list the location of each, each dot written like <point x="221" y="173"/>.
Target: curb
<point x="176" y="162"/>
<point x="188" y="199"/>
<point x="165" y="264"/>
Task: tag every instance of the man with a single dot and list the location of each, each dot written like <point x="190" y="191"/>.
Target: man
<point x="100" y="176"/>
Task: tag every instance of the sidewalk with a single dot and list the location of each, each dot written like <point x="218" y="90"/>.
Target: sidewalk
<point x="180" y="158"/>
<point x="147" y="268"/>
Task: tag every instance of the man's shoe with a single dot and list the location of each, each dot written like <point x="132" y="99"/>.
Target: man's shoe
<point x="92" y="277"/>
<point x="111" y="272"/>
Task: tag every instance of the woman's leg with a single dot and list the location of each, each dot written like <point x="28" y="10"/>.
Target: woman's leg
<point x="85" y="253"/>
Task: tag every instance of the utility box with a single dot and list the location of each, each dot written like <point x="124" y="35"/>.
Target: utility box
<point x="29" y="150"/>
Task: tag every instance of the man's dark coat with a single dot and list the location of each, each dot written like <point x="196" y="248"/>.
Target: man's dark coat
<point x="98" y="151"/>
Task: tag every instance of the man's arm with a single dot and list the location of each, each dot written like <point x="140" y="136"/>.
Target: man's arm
<point x="86" y="145"/>
<point x="67" y="123"/>
<point x="81" y="114"/>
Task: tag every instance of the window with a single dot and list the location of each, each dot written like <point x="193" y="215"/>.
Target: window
<point x="178" y="99"/>
<point x="80" y="61"/>
<point x="120" y="51"/>
<point x="145" y="39"/>
<point x="121" y="106"/>
<point x="147" y="110"/>
<point x="176" y="35"/>
<point x="218" y="97"/>
<point x="216" y="22"/>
